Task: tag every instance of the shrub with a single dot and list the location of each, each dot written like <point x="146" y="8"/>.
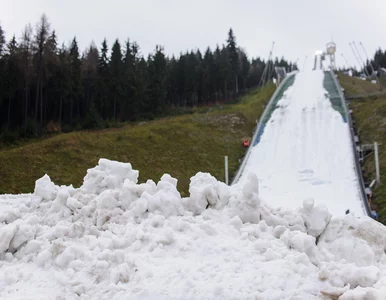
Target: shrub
<point x="31" y="130"/>
<point x="9" y="137"/>
<point x="53" y="127"/>
<point x="92" y="119"/>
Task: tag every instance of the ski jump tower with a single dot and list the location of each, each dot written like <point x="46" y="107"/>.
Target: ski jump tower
<point x="330" y="51"/>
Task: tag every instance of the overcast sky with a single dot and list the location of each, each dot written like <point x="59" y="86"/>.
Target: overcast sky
<point x="298" y="27"/>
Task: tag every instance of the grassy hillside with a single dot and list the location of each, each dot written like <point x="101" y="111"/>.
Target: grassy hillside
<point x="180" y="146"/>
<point x="355" y="86"/>
<point x="369" y="115"/>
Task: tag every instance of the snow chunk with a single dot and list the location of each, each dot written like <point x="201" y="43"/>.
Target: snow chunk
<point x="23" y="234"/>
<point x="108" y="174"/>
<point x="107" y="208"/>
<point x="315" y="218"/>
<point x="58" y="209"/>
<point x="9" y="215"/>
<point x="205" y="190"/>
<point x="73" y="204"/>
<point x="359" y="241"/>
<point x="169" y="179"/>
<point x="45" y="188"/>
<point x="247" y="204"/>
<point x="7" y="232"/>
<point x="69" y="254"/>
<point x="360" y="293"/>
<point x="354" y="276"/>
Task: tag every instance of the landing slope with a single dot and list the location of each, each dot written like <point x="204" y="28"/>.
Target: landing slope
<point x="305" y="151"/>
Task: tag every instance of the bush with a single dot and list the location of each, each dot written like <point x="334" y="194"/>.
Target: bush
<point x="92" y="120"/>
<point x="106" y="124"/>
<point x="9" y="137"/>
<point x="53" y="127"/>
<point x="148" y="116"/>
<point x="31" y="130"/>
<point x="66" y="128"/>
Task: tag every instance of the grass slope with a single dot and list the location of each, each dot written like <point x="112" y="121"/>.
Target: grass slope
<point x="180" y="146"/>
<point x="369" y="114"/>
<point x="354" y="86"/>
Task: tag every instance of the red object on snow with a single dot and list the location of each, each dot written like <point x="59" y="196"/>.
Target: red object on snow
<point x="246" y="143"/>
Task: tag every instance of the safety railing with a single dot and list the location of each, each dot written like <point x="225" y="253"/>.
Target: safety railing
<point x="347" y="117"/>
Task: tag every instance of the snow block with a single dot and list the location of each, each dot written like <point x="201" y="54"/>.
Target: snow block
<point x="45" y="188"/>
<point x="108" y="174"/>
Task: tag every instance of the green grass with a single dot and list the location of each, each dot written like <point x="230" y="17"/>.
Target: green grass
<point x="180" y="146"/>
<point x="354" y="86"/>
<point x="369" y="115"/>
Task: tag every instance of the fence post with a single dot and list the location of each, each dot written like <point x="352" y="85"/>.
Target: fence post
<point x="377" y="173"/>
<point x="226" y="170"/>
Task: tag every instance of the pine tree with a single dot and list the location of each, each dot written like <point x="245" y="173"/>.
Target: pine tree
<point x="76" y="91"/>
<point x="219" y="73"/>
<point x="172" y="82"/>
<point x="2" y="40"/>
<point x="52" y="82"/>
<point x="243" y="69"/>
<point x="141" y="82"/>
<point x="90" y="83"/>
<point x="181" y="80"/>
<point x="2" y="66"/>
<point x="130" y="106"/>
<point x="191" y="78"/>
<point x="209" y="76"/>
<point x="42" y="29"/>
<point x="142" y="86"/>
<point x="27" y="65"/>
<point x="233" y="58"/>
<point x="64" y="81"/>
<point x="157" y="76"/>
<point x="116" y="75"/>
<point x="199" y="78"/>
<point x="12" y="75"/>
<point x="103" y="76"/>
<point x="225" y="70"/>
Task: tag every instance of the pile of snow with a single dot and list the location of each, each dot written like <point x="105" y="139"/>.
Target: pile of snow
<point x="113" y="238"/>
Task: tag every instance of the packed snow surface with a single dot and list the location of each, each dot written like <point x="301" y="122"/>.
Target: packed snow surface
<point x="306" y="152"/>
<point x="113" y="238"/>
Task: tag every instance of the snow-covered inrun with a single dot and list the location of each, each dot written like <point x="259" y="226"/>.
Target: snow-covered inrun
<point x="113" y="238"/>
<point x="306" y="152"/>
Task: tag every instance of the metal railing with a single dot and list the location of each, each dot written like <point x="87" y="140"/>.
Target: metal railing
<point x="353" y="144"/>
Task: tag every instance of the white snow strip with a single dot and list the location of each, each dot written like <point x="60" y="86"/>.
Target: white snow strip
<point x="305" y="152"/>
<point x="115" y="239"/>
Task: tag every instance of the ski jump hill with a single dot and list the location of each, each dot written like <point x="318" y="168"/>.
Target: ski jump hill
<point x="304" y="148"/>
<point x="268" y="236"/>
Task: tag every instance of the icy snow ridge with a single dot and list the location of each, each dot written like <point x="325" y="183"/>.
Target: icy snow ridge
<point x="113" y="238"/>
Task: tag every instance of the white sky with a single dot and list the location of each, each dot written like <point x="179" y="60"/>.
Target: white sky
<point x="298" y="27"/>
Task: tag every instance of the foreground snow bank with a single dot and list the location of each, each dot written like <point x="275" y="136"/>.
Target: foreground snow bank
<point x="113" y="238"/>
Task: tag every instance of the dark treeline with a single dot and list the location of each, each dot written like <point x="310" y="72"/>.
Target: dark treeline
<point x="49" y="87"/>
<point x="378" y="62"/>
<point x="373" y="67"/>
